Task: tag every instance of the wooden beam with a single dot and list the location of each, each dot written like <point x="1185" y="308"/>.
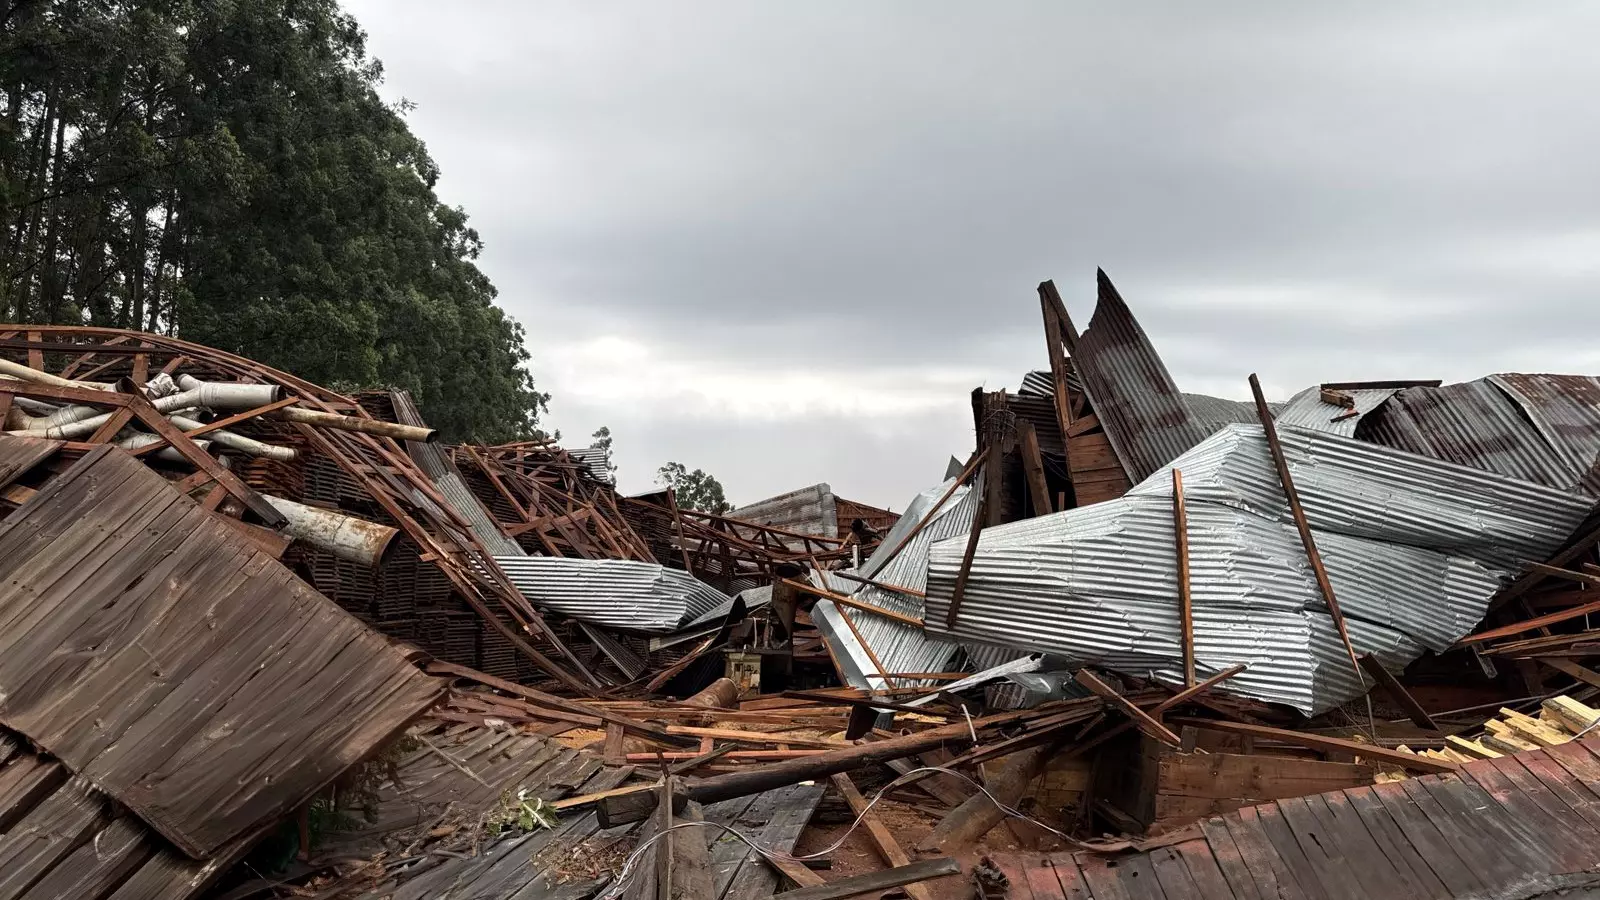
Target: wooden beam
<point x="1058" y="361"/>
<point x="966" y="473"/>
<point x="1180" y="519"/>
<point x="633" y="726"/>
<point x="1145" y="722"/>
<point x="1270" y="427"/>
<point x="877" y="882"/>
<point x="110" y="427"/>
<point x="991" y="495"/>
<point x="1570" y="668"/>
<point x="853" y="603"/>
<point x="880" y="585"/>
<point x="1324" y="744"/>
<point x="70" y="394"/>
<point x="1396" y="690"/>
<point x="1533" y="576"/>
<point x="1562" y="615"/>
<point x="204" y="461"/>
<point x="888" y="848"/>
<point x="1033" y="468"/>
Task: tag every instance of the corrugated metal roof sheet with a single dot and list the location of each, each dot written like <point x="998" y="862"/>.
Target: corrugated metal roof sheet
<point x="1215" y="412"/>
<point x="1474" y="424"/>
<point x="436" y="464"/>
<point x="1414" y="548"/>
<point x="1565" y="410"/>
<point x="1306" y="410"/>
<point x="902" y="648"/>
<point x="1145" y="417"/>
<point x="594" y="461"/>
<point x="614" y="593"/>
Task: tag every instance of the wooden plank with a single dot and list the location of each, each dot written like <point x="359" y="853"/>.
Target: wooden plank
<point x="1204" y="868"/>
<point x="781" y="833"/>
<point x="1270" y="428"/>
<point x="888" y="848"/>
<point x="1574" y="670"/>
<point x="1289" y="825"/>
<point x="1250" y="778"/>
<point x="1374" y="865"/>
<point x="1448" y="860"/>
<point x="1472" y="819"/>
<point x="1101" y="877"/>
<point x="1054" y="332"/>
<point x="858" y="885"/>
<point x="1544" y="621"/>
<point x="1146" y="723"/>
<point x="1230" y="860"/>
<point x="1172" y="875"/>
<point x="1323" y="743"/>
<point x="1180" y="520"/>
<point x="1033" y="468"/>
<point x="1398" y="692"/>
<point x="986" y="505"/>
<point x="1271" y="871"/>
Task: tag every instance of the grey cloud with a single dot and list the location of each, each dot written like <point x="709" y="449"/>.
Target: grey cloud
<point x="870" y="187"/>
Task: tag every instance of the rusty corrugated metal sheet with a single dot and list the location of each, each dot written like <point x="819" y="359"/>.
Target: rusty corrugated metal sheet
<point x="1145" y="417"/>
<point x="1474" y="424"/>
<point x="1565" y="410"/>
<point x="175" y="666"/>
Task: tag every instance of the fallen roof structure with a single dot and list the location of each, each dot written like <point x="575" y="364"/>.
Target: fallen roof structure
<point x="185" y="690"/>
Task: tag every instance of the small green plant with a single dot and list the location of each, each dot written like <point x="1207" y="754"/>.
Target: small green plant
<point x="521" y="812"/>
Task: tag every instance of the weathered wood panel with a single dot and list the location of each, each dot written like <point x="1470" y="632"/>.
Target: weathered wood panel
<point x="175" y="666"/>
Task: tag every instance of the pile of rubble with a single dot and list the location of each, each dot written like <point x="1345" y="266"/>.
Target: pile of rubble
<point x="258" y="638"/>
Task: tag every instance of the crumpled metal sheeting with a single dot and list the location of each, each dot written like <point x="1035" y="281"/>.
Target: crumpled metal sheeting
<point x="614" y="593"/>
<point x="1366" y="490"/>
<point x="900" y="647"/>
<point x="1473" y="424"/>
<point x="1565" y="410"/>
<point x="1215" y="412"/>
<point x="1099" y="584"/>
<point x="1306" y="409"/>
<point x="1145" y="417"/>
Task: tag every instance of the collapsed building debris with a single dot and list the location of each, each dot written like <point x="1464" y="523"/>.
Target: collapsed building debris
<point x="1139" y="633"/>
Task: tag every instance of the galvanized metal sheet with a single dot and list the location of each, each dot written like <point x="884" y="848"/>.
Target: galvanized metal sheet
<point x="1306" y="410"/>
<point x="1414" y="549"/>
<point x="614" y="593"/>
<point x="1145" y="417"/>
<point x="1565" y="411"/>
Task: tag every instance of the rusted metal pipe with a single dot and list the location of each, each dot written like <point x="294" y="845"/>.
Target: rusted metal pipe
<point x="365" y="426"/>
<point x="238" y="442"/>
<point x="720" y="694"/>
<point x="346" y="537"/>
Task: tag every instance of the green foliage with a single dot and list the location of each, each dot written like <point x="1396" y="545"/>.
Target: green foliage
<point x="694" y="490"/>
<point x="522" y="813"/>
<point x="224" y="170"/>
<point x="602" y="442"/>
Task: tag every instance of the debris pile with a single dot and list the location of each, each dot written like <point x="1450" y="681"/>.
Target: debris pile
<point x="258" y="638"/>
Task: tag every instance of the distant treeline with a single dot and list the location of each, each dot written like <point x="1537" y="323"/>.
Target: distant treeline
<point x="224" y="170"/>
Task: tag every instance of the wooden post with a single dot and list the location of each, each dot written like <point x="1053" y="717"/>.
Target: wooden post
<point x="1033" y="468"/>
<point x="1180" y="517"/>
<point x="1271" y="429"/>
<point x="1398" y="691"/>
<point x="1058" y="358"/>
<point x="883" y="839"/>
<point x="1143" y="720"/>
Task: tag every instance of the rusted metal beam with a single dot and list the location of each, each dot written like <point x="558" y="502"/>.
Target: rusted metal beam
<point x="1270" y="428"/>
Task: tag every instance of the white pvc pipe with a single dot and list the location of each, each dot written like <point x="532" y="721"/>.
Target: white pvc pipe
<point x="229" y="395"/>
<point x="238" y="441"/>
<point x="134" y="442"/>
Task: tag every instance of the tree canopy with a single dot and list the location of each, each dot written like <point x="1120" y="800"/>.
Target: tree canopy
<point x="224" y="170"/>
<point x="694" y="490"/>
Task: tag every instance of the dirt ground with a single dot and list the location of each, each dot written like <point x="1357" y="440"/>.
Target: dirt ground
<point x="909" y="826"/>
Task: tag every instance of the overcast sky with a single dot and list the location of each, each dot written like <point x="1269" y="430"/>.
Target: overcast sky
<point x="783" y="241"/>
